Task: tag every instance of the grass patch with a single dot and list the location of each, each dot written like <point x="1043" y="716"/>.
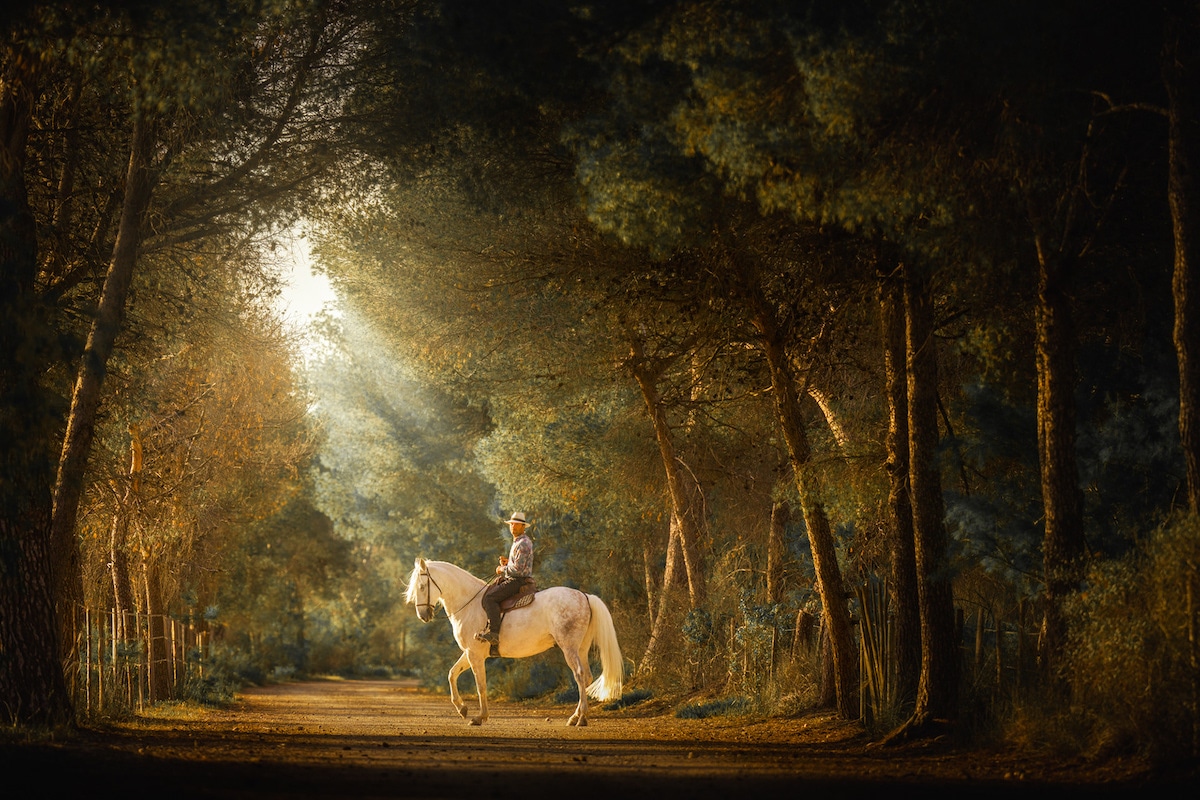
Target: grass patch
<point x="628" y="699"/>
<point x="714" y="708"/>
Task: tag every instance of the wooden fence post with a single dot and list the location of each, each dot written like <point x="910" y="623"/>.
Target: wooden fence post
<point x="979" y="619"/>
<point x="1020" y="657"/>
<point x="118" y="662"/>
<point x="999" y="654"/>
<point x="1194" y="657"/>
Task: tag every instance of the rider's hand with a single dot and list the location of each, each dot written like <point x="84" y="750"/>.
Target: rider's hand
<point x="499" y="569"/>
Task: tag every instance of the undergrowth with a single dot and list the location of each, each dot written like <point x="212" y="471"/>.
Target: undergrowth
<point x="724" y="706"/>
<point x="1130" y="688"/>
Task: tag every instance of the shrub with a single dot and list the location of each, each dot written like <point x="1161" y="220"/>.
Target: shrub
<point x="1128" y="660"/>
<point x="525" y="679"/>
<point x="215" y="688"/>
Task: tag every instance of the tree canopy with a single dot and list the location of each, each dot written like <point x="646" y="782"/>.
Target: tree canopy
<point x="750" y="306"/>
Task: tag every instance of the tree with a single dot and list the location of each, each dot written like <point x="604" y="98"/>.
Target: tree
<point x="683" y="537"/>
<point x="904" y="584"/>
<point x="85" y="400"/>
<point x="937" y="689"/>
<point x="820" y="535"/>
<point x="852" y="121"/>
<point x="652" y="189"/>
<point x="1179" y="71"/>
<point x="532" y="254"/>
<point x="218" y="146"/>
<point x="393" y="464"/>
<point x="1069" y="160"/>
<point x="907" y="135"/>
<point x="30" y="673"/>
<point x="282" y="150"/>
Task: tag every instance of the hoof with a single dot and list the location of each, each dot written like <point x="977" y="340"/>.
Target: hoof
<point x="476" y="721"/>
<point x="462" y="711"/>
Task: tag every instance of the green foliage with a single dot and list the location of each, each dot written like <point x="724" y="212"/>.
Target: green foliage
<point x="660" y="208"/>
<point x="1130" y="461"/>
<point x="751" y="663"/>
<point x="992" y="519"/>
<point x="393" y="465"/>
<point x="698" y="627"/>
<point x="219" y="682"/>
<point x="529" y="678"/>
<point x="301" y="600"/>
<point x="1132" y="653"/>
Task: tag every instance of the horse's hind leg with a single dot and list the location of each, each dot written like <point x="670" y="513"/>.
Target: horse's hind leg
<point x="459" y="668"/>
<point x="583" y="677"/>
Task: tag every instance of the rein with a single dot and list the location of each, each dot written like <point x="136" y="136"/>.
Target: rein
<point x="427" y="604"/>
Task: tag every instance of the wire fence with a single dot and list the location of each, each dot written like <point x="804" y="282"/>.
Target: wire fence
<point x="132" y="660"/>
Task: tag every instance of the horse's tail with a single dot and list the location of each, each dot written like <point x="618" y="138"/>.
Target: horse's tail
<point x="602" y="632"/>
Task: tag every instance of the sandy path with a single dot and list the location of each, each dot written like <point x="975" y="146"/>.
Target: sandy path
<point x="368" y="739"/>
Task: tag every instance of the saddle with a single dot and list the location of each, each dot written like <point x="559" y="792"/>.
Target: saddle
<point x="522" y="598"/>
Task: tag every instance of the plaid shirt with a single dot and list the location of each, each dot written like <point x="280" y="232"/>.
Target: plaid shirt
<point x="520" y="558"/>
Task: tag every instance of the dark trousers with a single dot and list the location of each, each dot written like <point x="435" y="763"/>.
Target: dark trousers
<point x="496" y="594"/>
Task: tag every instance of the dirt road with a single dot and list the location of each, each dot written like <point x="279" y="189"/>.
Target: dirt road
<point x="386" y="739"/>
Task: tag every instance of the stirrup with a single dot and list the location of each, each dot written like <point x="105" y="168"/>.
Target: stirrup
<point x="487" y="636"/>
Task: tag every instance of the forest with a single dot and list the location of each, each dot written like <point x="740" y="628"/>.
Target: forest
<point x="849" y="349"/>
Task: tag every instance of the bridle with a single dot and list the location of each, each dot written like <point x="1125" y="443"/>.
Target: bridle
<point x="428" y="580"/>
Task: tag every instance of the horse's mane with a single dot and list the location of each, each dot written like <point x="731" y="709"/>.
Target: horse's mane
<point x="458" y="570"/>
<point x="410" y="591"/>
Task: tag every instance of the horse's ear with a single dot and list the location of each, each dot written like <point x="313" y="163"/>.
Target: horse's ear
<point x="420" y="563"/>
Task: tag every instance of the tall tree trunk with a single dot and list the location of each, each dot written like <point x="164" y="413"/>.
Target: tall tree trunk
<point x="649" y="557"/>
<point x="683" y="506"/>
<point x="820" y="534"/>
<point x="85" y="400"/>
<point x="118" y="551"/>
<point x="781" y="515"/>
<point x="835" y="425"/>
<point x="1180" y="72"/>
<point x="937" y="688"/>
<point x="903" y="548"/>
<point x="118" y="565"/>
<point x="32" y="686"/>
<point x="670" y="604"/>
<point x="1062" y="499"/>
<point x="157" y="655"/>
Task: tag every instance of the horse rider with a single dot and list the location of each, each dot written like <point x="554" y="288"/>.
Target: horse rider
<point x="514" y="572"/>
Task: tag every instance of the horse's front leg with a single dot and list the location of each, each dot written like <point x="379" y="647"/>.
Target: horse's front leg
<point x="459" y="668"/>
<point x="478" y="658"/>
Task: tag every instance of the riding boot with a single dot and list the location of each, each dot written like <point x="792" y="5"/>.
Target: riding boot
<point x="491" y="634"/>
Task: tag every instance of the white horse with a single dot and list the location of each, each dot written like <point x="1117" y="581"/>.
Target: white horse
<point x="558" y="615"/>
